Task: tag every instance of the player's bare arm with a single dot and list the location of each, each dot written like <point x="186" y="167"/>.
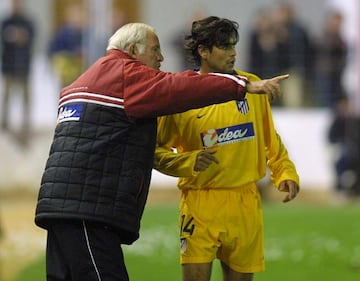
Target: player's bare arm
<point x="267" y="86"/>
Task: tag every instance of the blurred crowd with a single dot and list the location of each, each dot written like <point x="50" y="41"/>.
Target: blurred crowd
<point x="279" y="43"/>
<point x="67" y="51"/>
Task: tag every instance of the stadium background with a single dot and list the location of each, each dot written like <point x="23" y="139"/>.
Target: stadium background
<point x="303" y="130"/>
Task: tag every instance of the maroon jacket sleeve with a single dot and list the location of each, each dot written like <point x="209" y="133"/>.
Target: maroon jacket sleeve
<point x="144" y="92"/>
<point x="150" y="93"/>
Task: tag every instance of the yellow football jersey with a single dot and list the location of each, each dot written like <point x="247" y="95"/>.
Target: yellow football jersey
<point x="243" y="134"/>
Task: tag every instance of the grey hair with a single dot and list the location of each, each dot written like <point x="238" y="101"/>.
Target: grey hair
<point x="129" y="34"/>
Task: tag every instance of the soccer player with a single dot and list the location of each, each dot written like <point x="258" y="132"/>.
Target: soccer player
<point x="220" y="152"/>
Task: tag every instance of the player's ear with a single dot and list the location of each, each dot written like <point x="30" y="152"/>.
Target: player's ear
<point x="202" y="51"/>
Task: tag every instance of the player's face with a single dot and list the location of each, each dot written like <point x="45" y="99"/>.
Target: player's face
<point x="152" y="55"/>
<point x="219" y="59"/>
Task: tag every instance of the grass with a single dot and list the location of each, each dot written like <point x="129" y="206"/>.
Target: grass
<point x="302" y="242"/>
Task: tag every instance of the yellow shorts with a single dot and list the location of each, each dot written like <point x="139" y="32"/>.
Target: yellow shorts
<point x="222" y="223"/>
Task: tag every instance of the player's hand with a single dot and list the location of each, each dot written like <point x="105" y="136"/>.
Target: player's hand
<point x="204" y="159"/>
<point x="291" y="187"/>
<point x="271" y="86"/>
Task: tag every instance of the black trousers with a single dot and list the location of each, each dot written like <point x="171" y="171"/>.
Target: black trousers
<point x="84" y="251"/>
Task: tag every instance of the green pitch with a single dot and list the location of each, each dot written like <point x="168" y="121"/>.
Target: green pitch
<point x="302" y="242"/>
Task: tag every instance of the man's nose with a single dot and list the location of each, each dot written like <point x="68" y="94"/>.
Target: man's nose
<point x="160" y="57"/>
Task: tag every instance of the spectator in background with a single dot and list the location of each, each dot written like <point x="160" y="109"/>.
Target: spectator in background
<point x="344" y="136"/>
<point x="100" y="32"/>
<point x="350" y="10"/>
<point x="17" y="38"/>
<point x="263" y="46"/>
<point x="179" y="40"/>
<point x="331" y="53"/>
<point x="66" y="47"/>
<point x="295" y="53"/>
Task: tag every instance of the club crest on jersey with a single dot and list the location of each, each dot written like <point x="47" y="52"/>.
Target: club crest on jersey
<point x="243" y="106"/>
<point x="222" y="136"/>
<point x="70" y="112"/>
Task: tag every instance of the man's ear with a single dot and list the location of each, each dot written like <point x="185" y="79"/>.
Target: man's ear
<point x="133" y="51"/>
<point x="202" y="51"/>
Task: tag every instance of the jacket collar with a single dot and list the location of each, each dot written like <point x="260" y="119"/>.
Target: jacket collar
<point x="118" y="53"/>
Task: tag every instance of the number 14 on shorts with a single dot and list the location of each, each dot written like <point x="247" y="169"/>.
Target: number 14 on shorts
<point x="187" y="226"/>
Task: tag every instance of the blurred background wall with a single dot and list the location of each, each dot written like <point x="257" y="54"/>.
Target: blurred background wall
<point x="304" y="129"/>
<point x="168" y="17"/>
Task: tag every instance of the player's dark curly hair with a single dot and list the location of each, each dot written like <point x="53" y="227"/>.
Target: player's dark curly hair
<point x="209" y="32"/>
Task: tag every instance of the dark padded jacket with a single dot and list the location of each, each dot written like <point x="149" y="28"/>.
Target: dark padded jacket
<point x="101" y="158"/>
